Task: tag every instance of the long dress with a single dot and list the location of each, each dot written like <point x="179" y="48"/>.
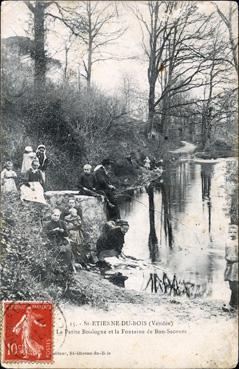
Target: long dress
<point x="33" y="189"/>
<point x="60" y="244"/>
<point x="147" y="163"/>
<point x="73" y="224"/>
<point x="43" y="160"/>
<point x="25" y="326"/>
<point x="8" y="181"/>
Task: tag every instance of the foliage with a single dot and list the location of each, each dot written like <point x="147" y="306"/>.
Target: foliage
<point x="76" y="127"/>
<point x="29" y="271"/>
<point x="232" y="190"/>
<point x="23" y="254"/>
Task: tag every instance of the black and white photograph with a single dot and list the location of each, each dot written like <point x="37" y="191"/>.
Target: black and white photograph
<point x="119" y="184"/>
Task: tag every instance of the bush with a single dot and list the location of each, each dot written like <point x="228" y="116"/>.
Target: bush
<point x="218" y="145"/>
<point x="28" y="268"/>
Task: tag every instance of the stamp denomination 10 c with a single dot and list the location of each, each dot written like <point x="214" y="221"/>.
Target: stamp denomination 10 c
<point x="27" y="332"/>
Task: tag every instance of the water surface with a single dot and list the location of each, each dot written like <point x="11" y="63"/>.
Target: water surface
<point x="180" y="227"/>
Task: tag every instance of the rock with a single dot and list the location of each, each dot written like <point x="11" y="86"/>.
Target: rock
<point x="91" y="209"/>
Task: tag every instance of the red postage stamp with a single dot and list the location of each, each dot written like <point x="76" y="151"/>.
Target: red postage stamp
<point x="27" y="331"/>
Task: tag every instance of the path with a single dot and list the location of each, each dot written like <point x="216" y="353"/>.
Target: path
<point x="188" y="148"/>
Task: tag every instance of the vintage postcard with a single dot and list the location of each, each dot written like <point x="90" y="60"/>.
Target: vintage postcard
<point x="119" y="197"/>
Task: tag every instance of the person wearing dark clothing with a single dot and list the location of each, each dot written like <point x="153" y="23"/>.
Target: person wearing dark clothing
<point x="34" y="176"/>
<point x="43" y="159"/>
<point x="56" y="231"/>
<point x="87" y="183"/>
<point x="33" y="187"/>
<point x="111" y="240"/>
<point x="104" y="187"/>
<point x="118" y="279"/>
<point x="102" y="181"/>
<point x="67" y="210"/>
<point x="114" y="240"/>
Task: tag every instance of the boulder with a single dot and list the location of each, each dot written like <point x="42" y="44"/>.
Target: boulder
<point x="91" y="209"/>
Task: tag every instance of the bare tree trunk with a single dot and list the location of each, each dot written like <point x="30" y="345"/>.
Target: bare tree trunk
<point x="228" y="22"/>
<point x="78" y="79"/>
<point x="234" y="47"/>
<point x="151" y="107"/>
<point x="90" y="45"/>
<point x="89" y="65"/>
<point x="66" y="64"/>
<point x="153" y="239"/>
<point x="39" y="49"/>
<point x="152" y="69"/>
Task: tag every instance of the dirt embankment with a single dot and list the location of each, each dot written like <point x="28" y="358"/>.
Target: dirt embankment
<point x="102" y="294"/>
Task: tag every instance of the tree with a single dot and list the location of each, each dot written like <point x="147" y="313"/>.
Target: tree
<point x="174" y="34"/>
<point x="40" y="60"/>
<point x="233" y="40"/>
<point x="95" y="25"/>
<point x="215" y="75"/>
<point x="67" y="46"/>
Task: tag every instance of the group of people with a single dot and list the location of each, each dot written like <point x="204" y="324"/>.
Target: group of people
<point x="97" y="183"/>
<point x="64" y="230"/>
<point x="66" y="239"/>
<point x="32" y="178"/>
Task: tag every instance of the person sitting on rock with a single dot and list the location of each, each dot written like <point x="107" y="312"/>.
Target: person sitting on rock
<point x="87" y="183"/>
<point x="73" y="225"/>
<point x="32" y="189"/>
<point x="71" y="205"/>
<point x="104" y="187"/>
<point x="57" y="233"/>
<point x="111" y="240"/>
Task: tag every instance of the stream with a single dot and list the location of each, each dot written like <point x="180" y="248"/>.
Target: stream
<point x="178" y="229"/>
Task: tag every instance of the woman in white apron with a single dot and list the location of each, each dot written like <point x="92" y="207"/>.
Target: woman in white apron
<point x="33" y="190"/>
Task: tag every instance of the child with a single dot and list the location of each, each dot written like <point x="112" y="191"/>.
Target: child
<point x="43" y="159"/>
<point x="87" y="183"/>
<point x="57" y="233"/>
<point x="32" y="190"/>
<point x="231" y="272"/>
<point x="28" y="157"/>
<point x="147" y="162"/>
<point x="71" y="205"/>
<point x="8" y="178"/>
<point x="73" y="224"/>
